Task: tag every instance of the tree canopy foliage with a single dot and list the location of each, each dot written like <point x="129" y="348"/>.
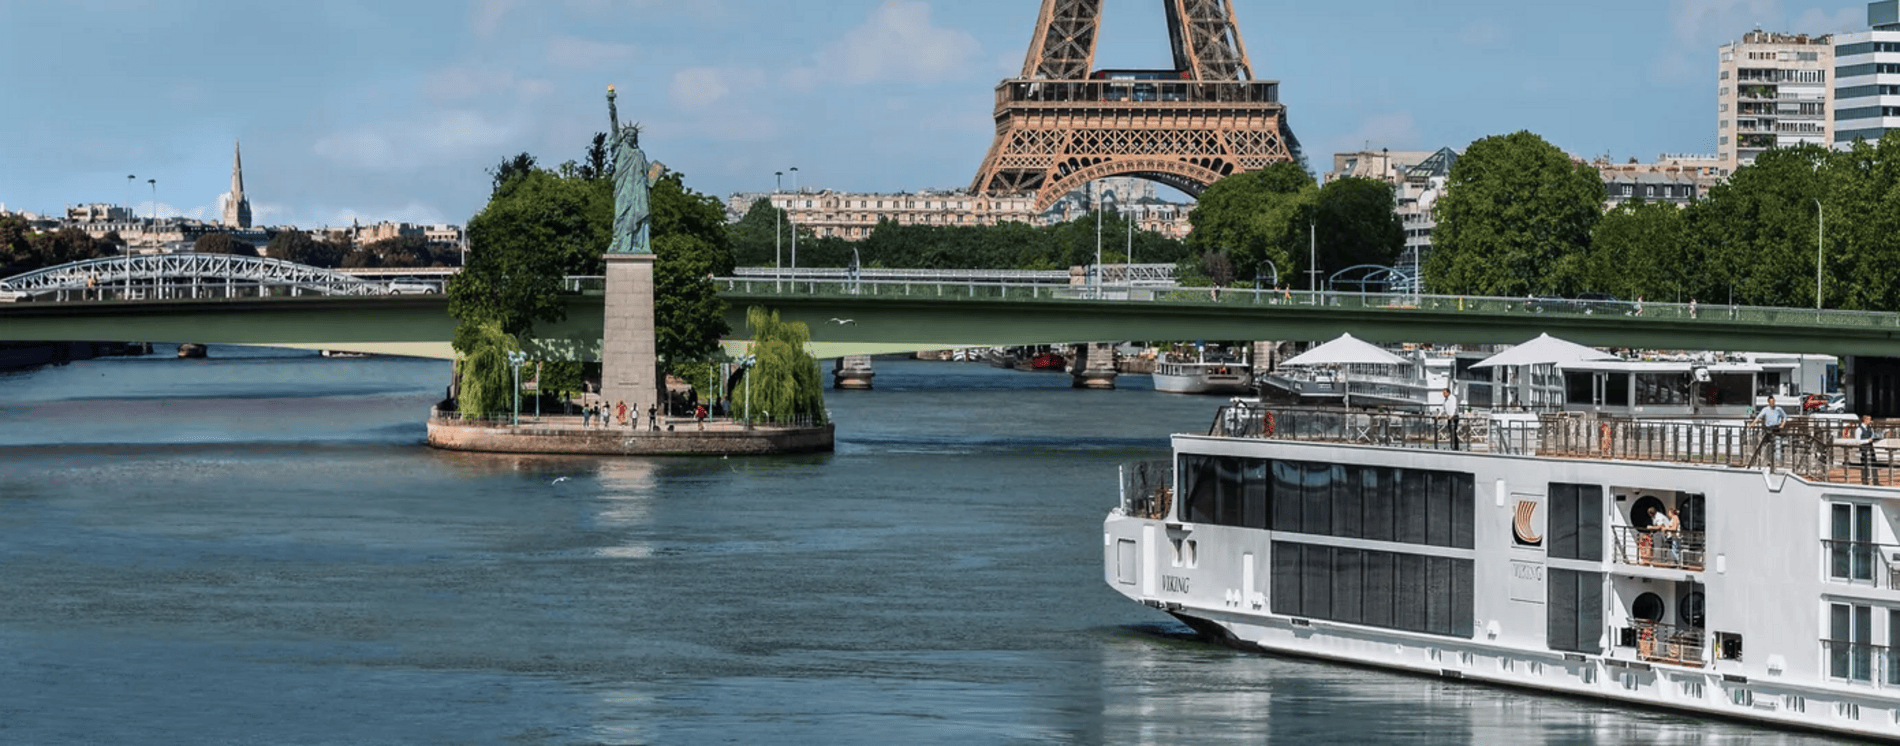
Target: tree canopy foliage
<point x="1276" y="224"/>
<point x="1515" y="219"/>
<point x="785" y="384"/>
<point x="223" y="243"/>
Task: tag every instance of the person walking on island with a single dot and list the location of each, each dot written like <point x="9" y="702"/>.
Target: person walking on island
<point x="1451" y="416"/>
<point x="587" y="415"/>
<point x="699" y="413"/>
<point x="620" y="411"/>
<point x="1771" y="418"/>
<point x="653" y="417"/>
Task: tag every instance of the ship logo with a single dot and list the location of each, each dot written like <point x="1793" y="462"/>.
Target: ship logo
<point x="1524" y="527"/>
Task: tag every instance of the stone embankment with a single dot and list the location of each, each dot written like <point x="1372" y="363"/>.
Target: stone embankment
<point x="568" y="435"/>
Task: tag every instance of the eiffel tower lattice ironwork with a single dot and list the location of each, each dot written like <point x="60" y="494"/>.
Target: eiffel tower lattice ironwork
<point x="1061" y="126"/>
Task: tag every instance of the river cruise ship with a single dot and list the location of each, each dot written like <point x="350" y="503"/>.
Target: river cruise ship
<point x="1523" y="549"/>
<point x="1205" y="371"/>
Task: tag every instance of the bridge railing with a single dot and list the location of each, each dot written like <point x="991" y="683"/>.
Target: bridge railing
<point x="812" y="286"/>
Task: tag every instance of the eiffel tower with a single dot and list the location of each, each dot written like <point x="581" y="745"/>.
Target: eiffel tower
<point x="1061" y="126"/>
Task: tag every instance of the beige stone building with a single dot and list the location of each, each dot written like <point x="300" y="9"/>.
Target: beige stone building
<point x="1677" y="179"/>
<point x="853" y="215"/>
<point x="1773" y="90"/>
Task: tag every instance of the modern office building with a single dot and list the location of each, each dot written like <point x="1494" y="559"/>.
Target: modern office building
<point x="1867" y="77"/>
<point x="1773" y="91"/>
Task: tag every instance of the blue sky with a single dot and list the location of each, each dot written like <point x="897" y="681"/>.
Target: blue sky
<point x="354" y="109"/>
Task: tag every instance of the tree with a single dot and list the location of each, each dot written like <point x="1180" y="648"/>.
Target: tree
<point x="222" y="243"/>
<point x="1515" y="220"/>
<point x="1757" y="230"/>
<point x="1355" y="224"/>
<point x="689" y="317"/>
<point x="537" y="228"/>
<point x="300" y="247"/>
<point x="785" y="384"/>
<point x="404" y="251"/>
<point x="64" y="245"/>
<point x="1256" y="217"/>
<point x="509" y="170"/>
<point x="1639" y="250"/>
<point x="486" y="380"/>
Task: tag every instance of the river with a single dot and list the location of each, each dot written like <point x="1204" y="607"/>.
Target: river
<point x="257" y="548"/>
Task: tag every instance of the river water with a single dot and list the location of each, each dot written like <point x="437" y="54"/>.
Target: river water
<point x="256" y="548"/>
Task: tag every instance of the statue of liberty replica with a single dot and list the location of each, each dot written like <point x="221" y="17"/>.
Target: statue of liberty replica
<point x="629" y="361"/>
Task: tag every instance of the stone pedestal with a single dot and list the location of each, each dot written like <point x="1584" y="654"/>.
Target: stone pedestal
<point x="629" y="360"/>
<point x="1094" y="366"/>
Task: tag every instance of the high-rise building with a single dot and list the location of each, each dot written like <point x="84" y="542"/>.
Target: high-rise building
<point x="237" y="208"/>
<point x="1867" y="77"/>
<point x="1773" y="91"/>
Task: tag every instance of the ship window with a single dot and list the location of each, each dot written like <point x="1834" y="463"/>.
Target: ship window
<point x="1851" y="547"/>
<point x="1575" y="523"/>
<point x="1616" y="390"/>
<point x="1390" y="590"/>
<point x="1728" y="646"/>
<point x="1575" y="610"/>
<point x="1348" y="513"/>
<point x="1849" y="644"/>
<point x="1377" y="485"/>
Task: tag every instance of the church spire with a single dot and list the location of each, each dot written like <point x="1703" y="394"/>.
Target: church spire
<point x="237" y="208"/>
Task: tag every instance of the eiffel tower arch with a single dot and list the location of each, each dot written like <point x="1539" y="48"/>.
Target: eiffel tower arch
<point x="1064" y="124"/>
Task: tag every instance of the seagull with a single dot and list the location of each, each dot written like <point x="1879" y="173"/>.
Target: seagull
<point x="836" y="320"/>
<point x="558" y="480"/>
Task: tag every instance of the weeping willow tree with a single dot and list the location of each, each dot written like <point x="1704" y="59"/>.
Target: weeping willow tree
<point x="487" y="385"/>
<point x="785" y="381"/>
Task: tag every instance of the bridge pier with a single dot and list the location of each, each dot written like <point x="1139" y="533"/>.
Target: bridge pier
<point x="852" y="372"/>
<point x="1094" y="366"/>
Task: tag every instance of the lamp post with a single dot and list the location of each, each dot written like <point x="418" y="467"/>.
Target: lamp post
<point x="745" y="363"/>
<point x="515" y="359"/>
<point x="778" y="228"/>
<point x="129" y="181"/>
<point x="1820" y="237"/>
<point x="1098" y="242"/>
<point x="793" y="226"/>
<point x="154" y="183"/>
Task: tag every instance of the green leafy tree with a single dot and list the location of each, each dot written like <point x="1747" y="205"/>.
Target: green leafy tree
<point x="689" y="316"/>
<point x="222" y="243"/>
<point x="64" y="245"/>
<point x="785" y="381"/>
<point x="302" y="248"/>
<point x="1257" y="217"/>
<point x="1757" y="230"/>
<point x="754" y="244"/>
<point x="1515" y="220"/>
<point x="486" y="383"/>
<point x="1355" y="223"/>
<point x="537" y="228"/>
<point x="1861" y="260"/>
<point x="16" y="248"/>
<point x="1639" y="250"/>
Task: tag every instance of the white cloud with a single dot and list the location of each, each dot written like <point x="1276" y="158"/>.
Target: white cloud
<point x="435" y="137"/>
<point x="485" y="16"/>
<point x="697" y="87"/>
<point x="587" y="54"/>
<point x="899" y="42"/>
<point x="1393" y="130"/>
<point x="1484" y="33"/>
<point x="1817" y="21"/>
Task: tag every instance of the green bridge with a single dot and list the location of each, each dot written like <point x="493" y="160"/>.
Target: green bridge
<point x="872" y="317"/>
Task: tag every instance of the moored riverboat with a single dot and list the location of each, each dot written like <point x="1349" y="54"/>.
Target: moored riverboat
<point x="1205" y="371"/>
<point x="1523" y="549"/>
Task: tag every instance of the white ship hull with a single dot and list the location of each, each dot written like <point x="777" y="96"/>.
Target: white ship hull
<point x="1328" y="548"/>
<point x="1218" y="379"/>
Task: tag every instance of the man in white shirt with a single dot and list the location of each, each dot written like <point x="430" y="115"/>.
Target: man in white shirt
<point x="1451" y="416"/>
<point x="1771" y="418"/>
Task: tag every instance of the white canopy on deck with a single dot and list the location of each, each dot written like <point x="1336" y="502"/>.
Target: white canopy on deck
<point x="1346" y="350"/>
<point x="1545" y="349"/>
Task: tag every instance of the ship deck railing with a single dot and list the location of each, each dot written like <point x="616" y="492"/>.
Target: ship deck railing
<point x="1806" y="447"/>
<point x="1682" y="550"/>
<point x="1862" y="662"/>
<point x="1147" y="488"/>
<point x="1656" y="642"/>
<point x="1859" y="562"/>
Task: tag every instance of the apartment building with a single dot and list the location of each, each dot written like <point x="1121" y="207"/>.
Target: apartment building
<point x="1773" y="91"/>
<point x="1867" y="77"/>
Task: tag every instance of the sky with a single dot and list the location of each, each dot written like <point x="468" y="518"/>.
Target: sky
<point x="378" y="110"/>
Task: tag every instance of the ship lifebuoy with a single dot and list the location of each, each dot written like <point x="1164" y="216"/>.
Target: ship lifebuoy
<point x="1604" y="432"/>
<point x="1266" y="421"/>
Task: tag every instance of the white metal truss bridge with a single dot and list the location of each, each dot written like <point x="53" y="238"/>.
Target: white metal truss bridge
<point x="164" y="276"/>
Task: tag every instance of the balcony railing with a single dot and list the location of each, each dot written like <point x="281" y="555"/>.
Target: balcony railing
<point x="1862" y="562"/>
<point x="1684" y="550"/>
<point x="1859" y="661"/>
<point x="1665" y="643"/>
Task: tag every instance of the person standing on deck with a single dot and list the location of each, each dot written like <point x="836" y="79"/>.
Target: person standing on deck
<point x="1451" y="416"/>
<point x="1771" y="418"/>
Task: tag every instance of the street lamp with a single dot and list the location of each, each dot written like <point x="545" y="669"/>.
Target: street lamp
<point x="515" y="359"/>
<point x="745" y="363"/>
<point x="1820" y="236"/>
<point x="778" y="228"/>
<point x="130" y="181"/>
<point x="1276" y="274"/>
<point x="854" y="270"/>
<point x="154" y="183"/>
